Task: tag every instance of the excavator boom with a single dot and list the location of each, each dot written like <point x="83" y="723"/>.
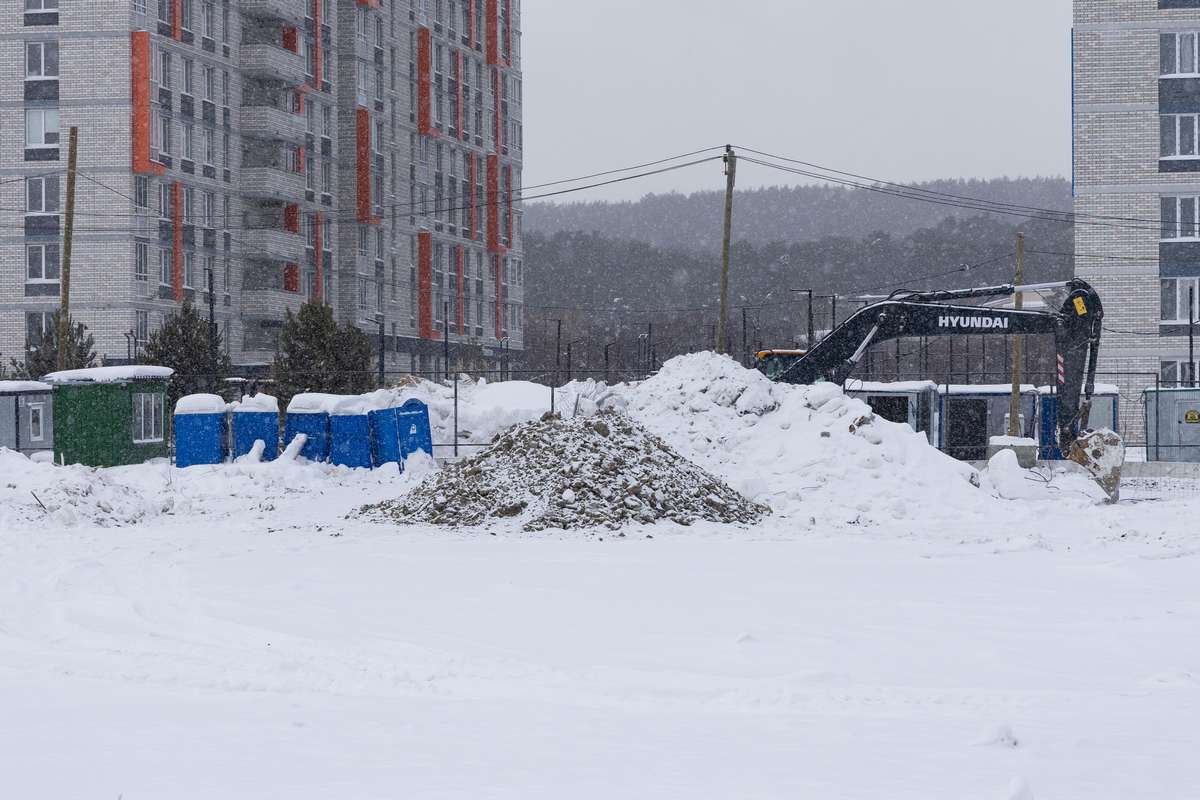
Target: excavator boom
<point x="1076" y="329"/>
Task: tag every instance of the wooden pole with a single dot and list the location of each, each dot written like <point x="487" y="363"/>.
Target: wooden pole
<point x="64" y="305"/>
<point x="730" y="180"/>
<point x="1014" y="402"/>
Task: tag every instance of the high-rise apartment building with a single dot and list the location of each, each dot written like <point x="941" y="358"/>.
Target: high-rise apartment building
<point x="361" y="153"/>
<point x="1137" y="178"/>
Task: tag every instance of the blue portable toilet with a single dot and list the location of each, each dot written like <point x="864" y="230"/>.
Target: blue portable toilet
<point x="1106" y="400"/>
<point x="414" y="431"/>
<point x="256" y="418"/>
<point x="350" y="433"/>
<point x="385" y="437"/>
<point x="309" y="414"/>
<point x="201" y="430"/>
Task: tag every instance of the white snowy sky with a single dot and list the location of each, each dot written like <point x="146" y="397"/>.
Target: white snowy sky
<point x="907" y="91"/>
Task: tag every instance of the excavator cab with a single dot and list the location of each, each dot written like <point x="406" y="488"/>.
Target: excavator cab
<point x="773" y="363"/>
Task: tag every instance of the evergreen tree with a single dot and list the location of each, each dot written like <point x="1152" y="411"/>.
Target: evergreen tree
<point x="315" y="354"/>
<point x="183" y="344"/>
<point x="42" y="357"/>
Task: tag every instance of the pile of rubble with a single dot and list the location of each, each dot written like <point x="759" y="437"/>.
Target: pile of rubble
<point x="602" y="471"/>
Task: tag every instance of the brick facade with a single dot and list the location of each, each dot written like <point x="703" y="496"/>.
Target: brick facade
<point x="265" y="98"/>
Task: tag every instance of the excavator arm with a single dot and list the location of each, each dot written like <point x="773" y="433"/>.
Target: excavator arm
<point x="1076" y="328"/>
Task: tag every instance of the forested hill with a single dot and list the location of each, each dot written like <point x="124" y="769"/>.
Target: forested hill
<point x="785" y="214"/>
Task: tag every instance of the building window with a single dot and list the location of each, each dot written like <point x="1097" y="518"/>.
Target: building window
<point x="1176" y="373"/>
<point x="42" y="263"/>
<point x="1177" y="54"/>
<point x="164" y="73"/>
<point x="36" y="432"/>
<point x="1178" y="135"/>
<point x="141" y="325"/>
<point x="189" y="270"/>
<point x="141" y="262"/>
<point x="141" y="191"/>
<point x="185" y="15"/>
<point x="41" y="60"/>
<point x="41" y="195"/>
<point x="41" y="128"/>
<point x="147" y="417"/>
<point x="37" y="325"/>
<point x="165" y="268"/>
<point x="1176" y="294"/>
<point x="1179" y="217"/>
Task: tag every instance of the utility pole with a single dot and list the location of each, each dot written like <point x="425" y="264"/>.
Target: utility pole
<point x="446" y="339"/>
<point x="812" y="332"/>
<point x="730" y="180"/>
<point x="745" y="341"/>
<point x="558" y="352"/>
<point x="1192" y="334"/>
<point x="212" y="323"/>
<point x="649" y="347"/>
<point x="1014" y="402"/>
<point x="64" y="303"/>
<point x="382" y="346"/>
<point x="606" y="348"/>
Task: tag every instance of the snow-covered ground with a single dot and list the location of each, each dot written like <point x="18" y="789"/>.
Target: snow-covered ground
<point x="891" y="631"/>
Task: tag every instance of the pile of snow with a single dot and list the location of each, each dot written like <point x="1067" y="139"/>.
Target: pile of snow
<point x="258" y="403"/>
<point x="24" y="387"/>
<point x="576" y="473"/>
<point x="133" y="372"/>
<point x="1006" y="479"/>
<point x="200" y="404"/>
<point x="808" y="452"/>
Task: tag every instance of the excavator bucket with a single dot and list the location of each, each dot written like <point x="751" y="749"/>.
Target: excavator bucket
<point x="1102" y="454"/>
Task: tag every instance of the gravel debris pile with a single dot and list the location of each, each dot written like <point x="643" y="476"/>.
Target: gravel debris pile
<point x="601" y="471"/>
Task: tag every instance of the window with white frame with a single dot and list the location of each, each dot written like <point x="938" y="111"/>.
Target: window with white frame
<point x="42" y="194"/>
<point x="1178" y="135"/>
<point x="41" y="128"/>
<point x="41" y="61"/>
<point x="1179" y="220"/>
<point x="147" y="417"/>
<point x="141" y="325"/>
<point x="1177" y="54"/>
<point x="41" y="5"/>
<point x="185" y="14"/>
<point x="141" y="262"/>
<point x="42" y="262"/>
<point x="36" y="418"/>
<point x="1177" y="294"/>
<point x="189" y="270"/>
<point x="166" y="271"/>
<point x="1175" y="373"/>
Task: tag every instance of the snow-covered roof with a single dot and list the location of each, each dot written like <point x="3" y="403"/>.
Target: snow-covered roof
<point x="125" y="374"/>
<point x="24" y="387"/>
<point x="342" y="405"/>
<point x="1101" y="389"/>
<point x="897" y="387"/>
<point x="259" y="403"/>
<point x="984" y="388"/>
<point x="200" y="404"/>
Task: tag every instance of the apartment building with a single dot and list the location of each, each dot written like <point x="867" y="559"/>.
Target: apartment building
<point x="365" y="154"/>
<point x="1137" y="178"/>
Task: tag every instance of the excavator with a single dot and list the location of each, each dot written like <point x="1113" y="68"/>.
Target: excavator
<point x="1076" y="328"/>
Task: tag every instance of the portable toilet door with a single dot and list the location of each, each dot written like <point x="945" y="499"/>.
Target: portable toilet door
<point x="256" y="419"/>
<point x="308" y="414"/>
<point x="385" y="438"/>
<point x="350" y="440"/>
<point x="415" y="432"/>
<point x="201" y="430"/>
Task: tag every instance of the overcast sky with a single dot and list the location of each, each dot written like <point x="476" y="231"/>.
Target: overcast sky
<point x="899" y="90"/>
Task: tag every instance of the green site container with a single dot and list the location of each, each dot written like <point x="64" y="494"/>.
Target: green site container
<point x="111" y="416"/>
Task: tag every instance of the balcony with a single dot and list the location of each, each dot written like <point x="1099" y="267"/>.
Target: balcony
<point x="275" y="124"/>
<point x="271" y="62"/>
<point x="272" y="244"/>
<point x="270" y="303"/>
<point x="272" y="183"/>
<point x="288" y="12"/>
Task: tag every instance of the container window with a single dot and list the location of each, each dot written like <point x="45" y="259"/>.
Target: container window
<point x="147" y="417"/>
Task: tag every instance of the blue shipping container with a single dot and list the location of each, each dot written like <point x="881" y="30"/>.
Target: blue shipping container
<point x="350" y="440"/>
<point x="313" y="426"/>
<point x="200" y="439"/>
<point x="251" y="426"/>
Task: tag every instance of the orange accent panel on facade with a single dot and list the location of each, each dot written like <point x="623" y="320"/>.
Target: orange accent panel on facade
<point x="177" y="240"/>
<point x="177" y="20"/>
<point x="508" y="203"/>
<point x="363" y="157"/>
<point x="471" y="21"/>
<point x="508" y="59"/>
<point x="425" y="82"/>
<point x="319" y="259"/>
<point x="460" y="290"/>
<point x="460" y="67"/>
<point x="493" y="204"/>
<point x="425" y="285"/>
<point x="492" y="31"/>
<point x="291" y="39"/>
<point x="291" y="277"/>
<point x="139" y="48"/>
<point x="474" y="176"/>
<point x="291" y="218"/>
